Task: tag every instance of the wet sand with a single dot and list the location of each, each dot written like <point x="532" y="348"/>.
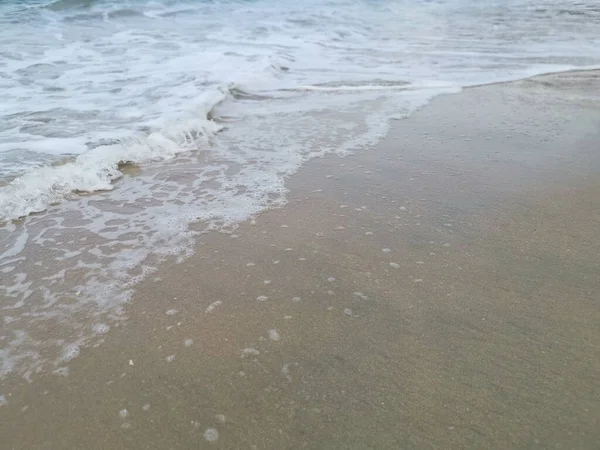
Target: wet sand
<point x="438" y="291"/>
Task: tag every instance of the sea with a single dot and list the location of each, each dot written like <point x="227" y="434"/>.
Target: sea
<point x="130" y="128"/>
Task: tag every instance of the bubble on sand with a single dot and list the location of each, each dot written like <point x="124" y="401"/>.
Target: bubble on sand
<point x="330" y="279"/>
<point x="285" y="370"/>
<point x="188" y="342"/>
<point x="213" y="305"/>
<point x="262" y="298"/>
<point x="418" y="280"/>
<point x="267" y="282"/>
<point x="221" y="418"/>
<point x="123" y="413"/>
<point x="3" y="401"/>
<point x="274" y="335"/>
<point x="395" y="265"/>
<point x="403" y="208"/>
<point x="211" y="435"/>
<point x="369" y="233"/>
<point x="361" y="296"/>
<point x="296" y="299"/>
<point x="250" y="264"/>
<point x="386" y="250"/>
<point x="170" y="358"/>
<point x="101" y="328"/>
<point x="347" y="312"/>
<point x="171" y="312"/>
<point x="250" y="352"/>
<point x="146" y="407"/>
<point x="61" y="371"/>
<point x="70" y="352"/>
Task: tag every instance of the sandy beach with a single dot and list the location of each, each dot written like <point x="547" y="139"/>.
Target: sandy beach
<point x="438" y="291"/>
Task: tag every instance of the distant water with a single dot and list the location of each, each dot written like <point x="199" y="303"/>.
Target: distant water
<point x="134" y="125"/>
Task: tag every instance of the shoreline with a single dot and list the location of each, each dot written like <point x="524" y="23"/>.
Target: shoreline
<point x="433" y="292"/>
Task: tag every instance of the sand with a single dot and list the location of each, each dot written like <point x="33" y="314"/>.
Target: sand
<point x="438" y="291"/>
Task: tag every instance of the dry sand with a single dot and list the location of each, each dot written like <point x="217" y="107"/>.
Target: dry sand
<point x="438" y="291"/>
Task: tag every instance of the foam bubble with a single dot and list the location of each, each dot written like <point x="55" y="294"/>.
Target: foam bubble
<point x="101" y="328"/>
<point x="61" y="371"/>
<point x="213" y="305"/>
<point x="211" y="435"/>
<point x="274" y="335"/>
<point x="250" y="352"/>
<point x="70" y="352"/>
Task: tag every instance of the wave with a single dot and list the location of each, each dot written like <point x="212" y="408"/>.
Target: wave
<point x="60" y="5"/>
<point x="375" y="85"/>
<point x="97" y="169"/>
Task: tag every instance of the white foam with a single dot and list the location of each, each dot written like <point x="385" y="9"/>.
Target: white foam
<point x="62" y="371"/>
<point x="211" y="435"/>
<point x="70" y="352"/>
<point x="101" y="328"/>
<point x="250" y="352"/>
<point x="213" y="305"/>
<point x="97" y="169"/>
<point x="274" y="335"/>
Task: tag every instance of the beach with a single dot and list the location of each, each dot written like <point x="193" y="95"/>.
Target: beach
<point x="436" y="290"/>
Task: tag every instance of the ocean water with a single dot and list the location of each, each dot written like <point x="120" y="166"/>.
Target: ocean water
<point x="128" y="128"/>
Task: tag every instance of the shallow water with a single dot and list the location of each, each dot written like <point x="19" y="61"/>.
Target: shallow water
<point x="212" y="105"/>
